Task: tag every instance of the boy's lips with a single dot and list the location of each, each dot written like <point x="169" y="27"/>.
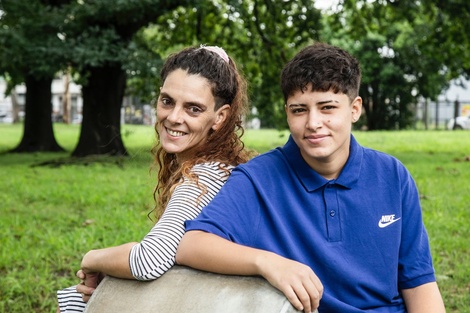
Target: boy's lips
<point x="315" y="138"/>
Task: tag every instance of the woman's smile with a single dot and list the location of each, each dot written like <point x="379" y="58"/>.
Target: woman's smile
<point x="174" y="133"/>
<point x="185" y="112"/>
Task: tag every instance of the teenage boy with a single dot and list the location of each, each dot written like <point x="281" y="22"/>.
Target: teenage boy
<point x="321" y="218"/>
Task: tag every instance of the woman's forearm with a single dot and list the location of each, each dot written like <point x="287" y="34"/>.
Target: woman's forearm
<point x="112" y="261"/>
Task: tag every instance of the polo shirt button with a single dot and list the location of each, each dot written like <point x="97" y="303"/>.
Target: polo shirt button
<point x="332" y="213"/>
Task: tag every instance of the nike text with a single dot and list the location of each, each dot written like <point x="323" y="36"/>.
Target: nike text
<point x="387" y="220"/>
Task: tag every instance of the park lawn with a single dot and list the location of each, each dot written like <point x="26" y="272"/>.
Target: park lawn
<point x="51" y="215"/>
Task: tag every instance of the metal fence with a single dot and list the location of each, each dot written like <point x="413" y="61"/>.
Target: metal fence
<point x="437" y="114"/>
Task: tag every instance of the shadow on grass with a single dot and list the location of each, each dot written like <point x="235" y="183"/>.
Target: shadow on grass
<point x="58" y="159"/>
<point x="83" y="161"/>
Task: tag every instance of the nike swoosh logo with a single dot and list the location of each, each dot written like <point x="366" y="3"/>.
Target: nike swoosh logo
<point x="383" y="225"/>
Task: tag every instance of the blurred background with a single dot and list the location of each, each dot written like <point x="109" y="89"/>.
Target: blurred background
<point x="96" y="63"/>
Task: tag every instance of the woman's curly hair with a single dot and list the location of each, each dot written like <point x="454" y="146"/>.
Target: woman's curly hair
<point x="223" y="145"/>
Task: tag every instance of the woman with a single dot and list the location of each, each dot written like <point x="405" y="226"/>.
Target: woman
<point x="199" y="125"/>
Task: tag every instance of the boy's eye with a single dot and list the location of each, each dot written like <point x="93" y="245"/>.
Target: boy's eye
<point x="297" y="110"/>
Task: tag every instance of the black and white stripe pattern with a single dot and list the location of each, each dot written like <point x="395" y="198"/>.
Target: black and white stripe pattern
<point x="156" y="253"/>
<point x="70" y="300"/>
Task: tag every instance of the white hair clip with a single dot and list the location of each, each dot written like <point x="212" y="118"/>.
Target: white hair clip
<point x="218" y="50"/>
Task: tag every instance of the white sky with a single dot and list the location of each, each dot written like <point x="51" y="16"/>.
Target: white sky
<point x="325" y="4"/>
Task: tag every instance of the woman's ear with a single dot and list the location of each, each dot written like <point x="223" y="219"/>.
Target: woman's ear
<point x="221" y="115"/>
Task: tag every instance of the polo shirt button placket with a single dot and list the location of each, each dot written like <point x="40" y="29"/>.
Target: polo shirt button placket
<point x="330" y="194"/>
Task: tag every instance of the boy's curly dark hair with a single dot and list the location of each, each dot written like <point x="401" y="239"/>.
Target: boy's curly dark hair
<point x="325" y="68"/>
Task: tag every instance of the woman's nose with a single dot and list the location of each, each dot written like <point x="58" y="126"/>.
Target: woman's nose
<point x="176" y="115"/>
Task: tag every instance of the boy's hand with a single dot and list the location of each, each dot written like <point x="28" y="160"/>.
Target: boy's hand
<point x="297" y="281"/>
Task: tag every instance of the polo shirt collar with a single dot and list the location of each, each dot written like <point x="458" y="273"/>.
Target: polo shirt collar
<point x="310" y="179"/>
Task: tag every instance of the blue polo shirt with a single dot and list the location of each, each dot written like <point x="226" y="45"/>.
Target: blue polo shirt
<point x="362" y="233"/>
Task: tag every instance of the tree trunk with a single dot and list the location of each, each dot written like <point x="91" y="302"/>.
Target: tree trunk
<point x="15" y="106"/>
<point x="375" y="116"/>
<point x="366" y="103"/>
<point x="366" y="106"/>
<point x="66" y="101"/>
<point x="101" y="125"/>
<point x="38" y="134"/>
<point x="425" y="114"/>
<point x="456" y="113"/>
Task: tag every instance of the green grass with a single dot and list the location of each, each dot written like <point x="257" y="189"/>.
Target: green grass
<point x="51" y="216"/>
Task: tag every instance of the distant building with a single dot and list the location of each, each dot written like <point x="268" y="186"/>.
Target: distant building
<point x="440" y="112"/>
<point x="59" y="92"/>
<point x="67" y="100"/>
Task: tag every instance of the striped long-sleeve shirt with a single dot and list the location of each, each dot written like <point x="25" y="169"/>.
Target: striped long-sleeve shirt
<point x="156" y="253"/>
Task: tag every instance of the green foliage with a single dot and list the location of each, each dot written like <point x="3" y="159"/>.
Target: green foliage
<point x="142" y="69"/>
<point x="261" y="35"/>
<point x="401" y="56"/>
<point x="41" y="37"/>
<point x="29" y="44"/>
<point x="451" y="22"/>
<point x="52" y="215"/>
<point x="408" y="49"/>
<point x="100" y="33"/>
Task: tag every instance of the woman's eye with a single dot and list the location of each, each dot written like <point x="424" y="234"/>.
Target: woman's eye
<point x="166" y="101"/>
<point x="194" y="109"/>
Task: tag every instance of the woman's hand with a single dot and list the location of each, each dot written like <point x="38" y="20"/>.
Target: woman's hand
<point x="88" y="283"/>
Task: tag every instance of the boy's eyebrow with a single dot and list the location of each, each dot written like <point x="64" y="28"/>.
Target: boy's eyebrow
<point x="318" y="103"/>
<point x="327" y="101"/>
<point x="296" y="104"/>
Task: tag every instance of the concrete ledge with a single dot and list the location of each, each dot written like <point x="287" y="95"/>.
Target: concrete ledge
<point x="183" y="289"/>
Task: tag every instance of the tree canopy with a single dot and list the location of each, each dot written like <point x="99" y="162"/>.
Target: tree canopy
<point x="403" y="55"/>
<point x="31" y="52"/>
<point x="262" y="35"/>
<point x="408" y="50"/>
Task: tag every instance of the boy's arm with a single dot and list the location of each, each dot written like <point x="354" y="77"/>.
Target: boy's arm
<point x="212" y="253"/>
<point x="425" y="298"/>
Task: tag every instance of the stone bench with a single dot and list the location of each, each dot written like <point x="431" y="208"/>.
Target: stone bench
<point x="183" y="289"/>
